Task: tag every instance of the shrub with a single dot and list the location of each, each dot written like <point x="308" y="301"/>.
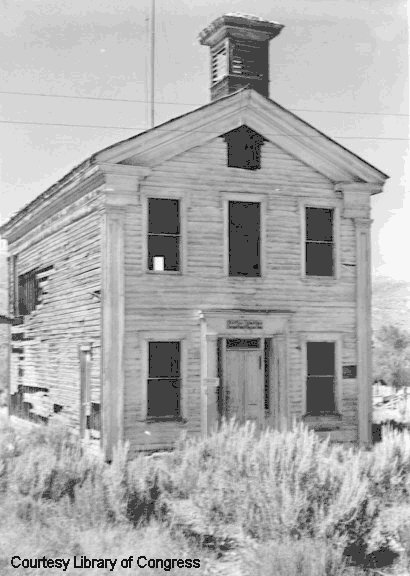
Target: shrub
<point x="271" y="484"/>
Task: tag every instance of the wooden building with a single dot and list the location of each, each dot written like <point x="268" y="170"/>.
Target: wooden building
<point x="215" y="265"/>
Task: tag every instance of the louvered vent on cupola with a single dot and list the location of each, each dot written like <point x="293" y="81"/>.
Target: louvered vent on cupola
<point x="244" y="148"/>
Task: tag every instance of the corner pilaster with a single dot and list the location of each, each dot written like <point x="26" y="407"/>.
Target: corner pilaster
<point x="119" y="193"/>
<point x="363" y="319"/>
<point x="113" y="315"/>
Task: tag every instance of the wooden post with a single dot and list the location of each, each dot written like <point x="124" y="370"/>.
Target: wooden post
<point x="363" y="318"/>
<point x="113" y="328"/>
<point x="282" y="393"/>
<point x="212" y="382"/>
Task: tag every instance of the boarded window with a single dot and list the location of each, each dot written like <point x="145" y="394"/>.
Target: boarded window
<point x="244" y="148"/>
<point x="319" y="242"/>
<point x="163" y="234"/>
<point x="164" y="380"/>
<point x="219" y="65"/>
<point x="244" y="239"/>
<point x="32" y="286"/>
<point x="320" y="393"/>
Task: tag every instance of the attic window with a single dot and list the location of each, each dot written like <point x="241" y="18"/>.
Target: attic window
<point x="244" y="148"/>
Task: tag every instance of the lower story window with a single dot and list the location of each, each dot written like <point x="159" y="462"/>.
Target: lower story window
<point x="164" y="380"/>
<point x="321" y="378"/>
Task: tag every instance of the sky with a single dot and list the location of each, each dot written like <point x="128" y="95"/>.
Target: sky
<point x="342" y="65"/>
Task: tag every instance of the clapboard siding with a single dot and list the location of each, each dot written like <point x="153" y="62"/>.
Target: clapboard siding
<point x="69" y="316"/>
<point x="162" y="302"/>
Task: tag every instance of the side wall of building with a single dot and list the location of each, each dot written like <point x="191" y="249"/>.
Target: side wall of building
<point x="64" y="254"/>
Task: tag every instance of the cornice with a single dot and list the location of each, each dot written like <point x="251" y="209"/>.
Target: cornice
<point x="46" y="207"/>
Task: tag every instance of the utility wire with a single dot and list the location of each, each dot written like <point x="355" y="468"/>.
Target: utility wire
<point x="189" y="131"/>
<point x="167" y="103"/>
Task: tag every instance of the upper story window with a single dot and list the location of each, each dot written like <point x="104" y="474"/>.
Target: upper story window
<point x="244" y="239"/>
<point x="321" y="378"/>
<point x="164" y="380"/>
<point x="244" y="148"/>
<point x="163" y="234"/>
<point x="319" y="242"/>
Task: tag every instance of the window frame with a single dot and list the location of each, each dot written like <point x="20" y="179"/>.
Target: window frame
<point x="159" y="336"/>
<point x="29" y="283"/>
<point x="245" y="197"/>
<point x="329" y="205"/>
<point x="164" y="195"/>
<point x="337" y="340"/>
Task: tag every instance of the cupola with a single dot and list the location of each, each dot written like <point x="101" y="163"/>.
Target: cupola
<point x="239" y="46"/>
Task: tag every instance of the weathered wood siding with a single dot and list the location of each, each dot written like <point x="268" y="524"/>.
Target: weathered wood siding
<point x="46" y="345"/>
<point x="4" y="329"/>
<point x="165" y="302"/>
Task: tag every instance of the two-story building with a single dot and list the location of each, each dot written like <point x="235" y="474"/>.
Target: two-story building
<point x="217" y="265"/>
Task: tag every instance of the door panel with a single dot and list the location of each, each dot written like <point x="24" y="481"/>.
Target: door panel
<point x="243" y="385"/>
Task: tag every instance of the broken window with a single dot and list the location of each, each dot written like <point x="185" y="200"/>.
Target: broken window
<point x="164" y="380"/>
<point x="163" y="234"/>
<point x="320" y="385"/>
<point x="244" y="239"/>
<point x="94" y="417"/>
<point x="244" y="148"/>
<point x="319" y="242"/>
<point x="32" y="286"/>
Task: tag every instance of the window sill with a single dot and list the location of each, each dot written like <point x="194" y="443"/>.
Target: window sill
<point x="323" y="422"/>
<point x="320" y="279"/>
<point x="164" y="419"/>
<point x="244" y="277"/>
<point x="165" y="272"/>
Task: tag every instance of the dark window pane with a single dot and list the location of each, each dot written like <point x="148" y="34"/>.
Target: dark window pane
<point x="165" y="247"/>
<point x="244" y="148"/>
<point x="163" y="398"/>
<point x="94" y="419"/>
<point x="319" y="259"/>
<point x="244" y="238"/>
<point x="319" y="224"/>
<point x="320" y="397"/>
<point x="321" y="358"/>
<point x="164" y="360"/>
<point x="163" y="216"/>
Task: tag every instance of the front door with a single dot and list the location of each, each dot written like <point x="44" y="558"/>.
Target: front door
<point x="243" y="383"/>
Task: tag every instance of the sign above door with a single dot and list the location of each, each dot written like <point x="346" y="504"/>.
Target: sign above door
<point x="244" y="324"/>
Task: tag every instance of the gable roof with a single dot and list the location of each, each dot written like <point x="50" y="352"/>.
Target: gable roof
<point x="274" y="122"/>
<point x="246" y="106"/>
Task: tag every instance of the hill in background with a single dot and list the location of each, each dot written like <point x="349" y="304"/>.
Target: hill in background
<point x="390" y="303"/>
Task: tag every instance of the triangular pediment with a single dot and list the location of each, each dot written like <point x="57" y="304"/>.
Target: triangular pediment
<point x="260" y="115"/>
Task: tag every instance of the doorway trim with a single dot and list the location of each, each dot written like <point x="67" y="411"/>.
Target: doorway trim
<point x="239" y="323"/>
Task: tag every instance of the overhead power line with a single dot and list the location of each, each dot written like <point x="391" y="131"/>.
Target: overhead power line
<point x="135" y="129"/>
<point x="168" y="103"/>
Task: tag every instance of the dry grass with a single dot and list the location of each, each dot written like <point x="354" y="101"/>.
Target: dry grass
<point x="284" y="503"/>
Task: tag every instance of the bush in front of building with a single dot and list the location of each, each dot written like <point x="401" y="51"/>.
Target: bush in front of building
<point x="238" y="489"/>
